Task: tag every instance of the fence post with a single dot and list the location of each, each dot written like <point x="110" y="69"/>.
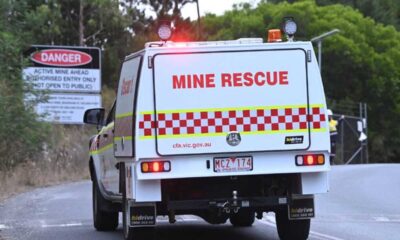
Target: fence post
<point x="342" y="140"/>
<point x="366" y="132"/>
<point x="361" y="143"/>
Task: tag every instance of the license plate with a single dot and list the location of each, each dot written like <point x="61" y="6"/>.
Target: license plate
<point x="233" y="164"/>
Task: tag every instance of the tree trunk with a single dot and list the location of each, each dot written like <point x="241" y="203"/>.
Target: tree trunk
<point x="81" y="26"/>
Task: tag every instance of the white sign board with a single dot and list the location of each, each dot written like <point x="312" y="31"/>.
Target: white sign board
<point x="72" y="75"/>
<point x="63" y="79"/>
<point x="67" y="108"/>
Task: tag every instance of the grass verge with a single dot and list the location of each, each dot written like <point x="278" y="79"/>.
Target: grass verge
<point x="64" y="159"/>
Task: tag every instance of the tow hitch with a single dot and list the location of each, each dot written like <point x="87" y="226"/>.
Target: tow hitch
<point x="231" y="205"/>
<point x="228" y="205"/>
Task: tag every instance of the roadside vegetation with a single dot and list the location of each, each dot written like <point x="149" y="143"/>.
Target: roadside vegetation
<point x="361" y="64"/>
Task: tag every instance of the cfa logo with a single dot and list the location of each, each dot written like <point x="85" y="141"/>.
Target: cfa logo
<point x="233" y="138"/>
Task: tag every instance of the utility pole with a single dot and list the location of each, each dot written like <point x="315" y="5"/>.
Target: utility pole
<point x="198" y="20"/>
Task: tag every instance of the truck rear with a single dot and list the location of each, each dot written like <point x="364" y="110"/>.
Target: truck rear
<point x="222" y="130"/>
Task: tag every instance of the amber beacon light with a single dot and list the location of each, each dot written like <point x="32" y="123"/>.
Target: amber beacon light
<point x="274" y="35"/>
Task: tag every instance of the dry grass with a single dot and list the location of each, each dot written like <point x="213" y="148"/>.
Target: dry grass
<point x="30" y="175"/>
<point x="65" y="159"/>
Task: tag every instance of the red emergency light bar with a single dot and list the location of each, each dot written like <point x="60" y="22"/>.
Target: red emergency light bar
<point x="310" y="160"/>
<point x="156" y="166"/>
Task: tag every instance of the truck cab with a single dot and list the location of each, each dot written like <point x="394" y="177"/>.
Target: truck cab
<point x="225" y="130"/>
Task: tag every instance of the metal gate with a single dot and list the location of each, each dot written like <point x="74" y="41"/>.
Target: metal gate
<point x="352" y="140"/>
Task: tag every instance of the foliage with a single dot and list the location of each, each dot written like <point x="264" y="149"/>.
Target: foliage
<point x="21" y="136"/>
<point x="383" y="11"/>
<point x="359" y="64"/>
<point x="103" y="25"/>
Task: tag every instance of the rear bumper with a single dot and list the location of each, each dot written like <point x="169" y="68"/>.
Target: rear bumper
<point x="202" y="166"/>
<point x="229" y="203"/>
<point x="213" y="188"/>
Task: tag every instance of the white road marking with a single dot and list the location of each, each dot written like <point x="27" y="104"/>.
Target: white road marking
<point x="183" y="218"/>
<point x="269" y="219"/>
<point x="188" y="218"/>
<point x="2" y="226"/>
<point x="325" y="236"/>
<point x="381" y="219"/>
<point x="266" y="223"/>
<point x="162" y="220"/>
<point x="62" y="225"/>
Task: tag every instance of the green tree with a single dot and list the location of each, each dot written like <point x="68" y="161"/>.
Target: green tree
<point x="360" y="64"/>
<point x="21" y="135"/>
<point x="384" y="11"/>
<point x="98" y="23"/>
<point x="145" y="25"/>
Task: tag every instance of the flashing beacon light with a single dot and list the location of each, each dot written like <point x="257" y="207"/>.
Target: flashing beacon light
<point x="274" y="35"/>
<point x="289" y="28"/>
<point x="164" y="31"/>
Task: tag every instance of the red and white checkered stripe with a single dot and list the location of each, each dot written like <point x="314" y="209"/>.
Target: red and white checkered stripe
<point x="259" y="120"/>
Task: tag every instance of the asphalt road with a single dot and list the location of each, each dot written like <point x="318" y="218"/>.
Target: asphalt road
<point x="364" y="203"/>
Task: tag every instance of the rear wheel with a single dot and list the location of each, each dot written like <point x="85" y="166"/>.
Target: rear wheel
<point x="291" y="229"/>
<point x="244" y="218"/>
<point x="102" y="220"/>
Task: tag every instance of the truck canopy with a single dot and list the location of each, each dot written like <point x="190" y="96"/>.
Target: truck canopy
<point x="232" y="101"/>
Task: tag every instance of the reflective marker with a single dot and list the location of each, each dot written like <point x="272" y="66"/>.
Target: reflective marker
<point x="167" y="166"/>
<point x="299" y="160"/>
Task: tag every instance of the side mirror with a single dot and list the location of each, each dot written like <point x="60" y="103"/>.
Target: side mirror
<point x="94" y="116"/>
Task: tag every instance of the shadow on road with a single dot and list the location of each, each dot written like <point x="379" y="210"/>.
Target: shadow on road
<point x="193" y="232"/>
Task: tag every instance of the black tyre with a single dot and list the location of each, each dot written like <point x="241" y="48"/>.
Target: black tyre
<point x="130" y="233"/>
<point x="102" y="220"/>
<point x="244" y="218"/>
<point x="291" y="229"/>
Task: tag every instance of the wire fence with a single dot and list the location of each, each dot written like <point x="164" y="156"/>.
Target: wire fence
<point x="352" y="139"/>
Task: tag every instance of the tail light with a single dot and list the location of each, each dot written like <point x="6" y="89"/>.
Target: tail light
<point x="155" y="166"/>
<point x="310" y="160"/>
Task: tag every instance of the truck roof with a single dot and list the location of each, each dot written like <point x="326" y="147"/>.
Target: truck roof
<point x="238" y="43"/>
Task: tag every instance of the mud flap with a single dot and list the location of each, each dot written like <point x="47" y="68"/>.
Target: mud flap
<point x="301" y="208"/>
<point x="142" y="216"/>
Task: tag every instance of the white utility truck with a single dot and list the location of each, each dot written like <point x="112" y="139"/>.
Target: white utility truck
<point x="222" y="130"/>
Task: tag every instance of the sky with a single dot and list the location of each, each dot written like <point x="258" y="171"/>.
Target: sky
<point x="217" y="7"/>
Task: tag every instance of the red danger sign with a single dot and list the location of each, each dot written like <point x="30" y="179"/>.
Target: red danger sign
<point x="61" y="57"/>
